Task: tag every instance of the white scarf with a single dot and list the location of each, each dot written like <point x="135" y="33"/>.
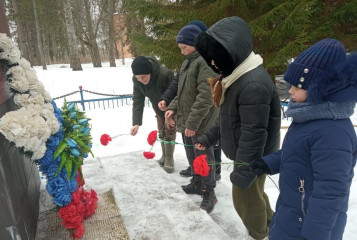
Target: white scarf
<point x="250" y="63"/>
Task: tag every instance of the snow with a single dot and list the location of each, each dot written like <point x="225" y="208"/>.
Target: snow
<point x="151" y="201"/>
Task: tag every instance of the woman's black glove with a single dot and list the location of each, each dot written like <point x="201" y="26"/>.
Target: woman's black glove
<point x="242" y="177"/>
<point x="259" y="167"/>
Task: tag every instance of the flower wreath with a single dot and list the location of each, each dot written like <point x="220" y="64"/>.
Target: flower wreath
<point x="57" y="140"/>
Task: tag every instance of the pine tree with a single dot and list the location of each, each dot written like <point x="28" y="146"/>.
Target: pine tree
<point x="281" y="29"/>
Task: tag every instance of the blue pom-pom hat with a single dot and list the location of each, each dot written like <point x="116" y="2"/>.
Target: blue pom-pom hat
<point x="325" y="71"/>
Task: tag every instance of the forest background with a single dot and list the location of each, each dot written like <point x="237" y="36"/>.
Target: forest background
<point x="81" y="31"/>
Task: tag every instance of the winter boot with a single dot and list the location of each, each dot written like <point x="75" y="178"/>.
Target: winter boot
<point x="195" y="187"/>
<point x="209" y="200"/>
<point x="161" y="161"/>
<point x="186" y="172"/>
<point x="169" y="158"/>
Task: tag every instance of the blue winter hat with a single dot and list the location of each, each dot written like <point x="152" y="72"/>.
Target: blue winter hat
<point x="187" y="35"/>
<point x="199" y="24"/>
<point x="318" y="60"/>
<point x="325" y="72"/>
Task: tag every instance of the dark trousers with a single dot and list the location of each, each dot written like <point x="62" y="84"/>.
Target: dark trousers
<point x="191" y="153"/>
<point x="217" y="157"/>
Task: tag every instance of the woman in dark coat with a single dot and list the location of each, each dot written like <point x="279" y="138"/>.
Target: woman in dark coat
<point x="249" y="119"/>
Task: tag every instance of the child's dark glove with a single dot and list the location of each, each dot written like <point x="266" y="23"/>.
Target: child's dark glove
<point x="259" y="167"/>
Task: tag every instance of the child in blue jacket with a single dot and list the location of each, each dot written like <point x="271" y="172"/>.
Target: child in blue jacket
<point x="320" y="148"/>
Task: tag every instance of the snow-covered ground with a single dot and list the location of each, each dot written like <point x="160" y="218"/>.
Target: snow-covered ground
<point x="151" y="201"/>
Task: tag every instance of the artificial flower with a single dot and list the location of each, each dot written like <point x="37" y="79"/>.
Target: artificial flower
<point x="79" y="232"/>
<point x="149" y="155"/>
<point x="83" y="121"/>
<point x="90" y="200"/>
<point x="19" y="81"/>
<point x="105" y="139"/>
<point x="39" y="127"/>
<point x="200" y="165"/>
<point x="10" y="52"/>
<point x="73" y="213"/>
<point x="152" y="137"/>
<point x="22" y="100"/>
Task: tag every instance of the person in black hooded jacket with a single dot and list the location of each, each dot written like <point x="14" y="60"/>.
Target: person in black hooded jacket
<point x="249" y="120"/>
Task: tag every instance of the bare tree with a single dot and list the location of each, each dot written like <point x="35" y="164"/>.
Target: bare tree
<point x="21" y="31"/>
<point x="92" y="42"/>
<point x="72" y="41"/>
<point x="111" y="38"/>
<point x="39" y="41"/>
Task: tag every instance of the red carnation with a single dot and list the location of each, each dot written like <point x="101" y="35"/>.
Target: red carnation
<point x="105" y="139"/>
<point x="149" y="155"/>
<point x="90" y="201"/>
<point x="79" y="232"/>
<point x="152" y="137"/>
<point x="200" y="165"/>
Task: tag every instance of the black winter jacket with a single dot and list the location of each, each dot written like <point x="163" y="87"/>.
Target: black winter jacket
<point x="171" y="92"/>
<point x="249" y="118"/>
<point x="161" y="78"/>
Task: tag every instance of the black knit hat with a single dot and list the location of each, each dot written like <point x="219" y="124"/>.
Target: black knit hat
<point x="141" y="66"/>
<point x="187" y="35"/>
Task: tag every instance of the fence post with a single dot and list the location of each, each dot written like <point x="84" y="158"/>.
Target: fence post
<point x="82" y="102"/>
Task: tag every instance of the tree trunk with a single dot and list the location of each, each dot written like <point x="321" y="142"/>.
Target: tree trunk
<point x="3" y="23"/>
<point x="21" y="31"/>
<point x="121" y="36"/>
<point x="111" y="38"/>
<point x="39" y="41"/>
<point x="93" y="47"/>
<point x="72" y="41"/>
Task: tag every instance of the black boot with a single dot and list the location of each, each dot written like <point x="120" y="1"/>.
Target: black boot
<point x="195" y="187"/>
<point x="186" y="172"/>
<point x="209" y="200"/>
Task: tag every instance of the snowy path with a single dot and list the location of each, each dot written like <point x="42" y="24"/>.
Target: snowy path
<point x="151" y="202"/>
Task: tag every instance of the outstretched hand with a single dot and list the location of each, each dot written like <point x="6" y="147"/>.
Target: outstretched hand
<point x="134" y="130"/>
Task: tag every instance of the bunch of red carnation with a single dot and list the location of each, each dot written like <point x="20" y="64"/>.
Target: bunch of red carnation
<point x="82" y="206"/>
<point x="152" y="137"/>
<point x="200" y="165"/>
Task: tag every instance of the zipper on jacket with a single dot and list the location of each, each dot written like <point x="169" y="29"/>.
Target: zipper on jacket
<point x="302" y="191"/>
